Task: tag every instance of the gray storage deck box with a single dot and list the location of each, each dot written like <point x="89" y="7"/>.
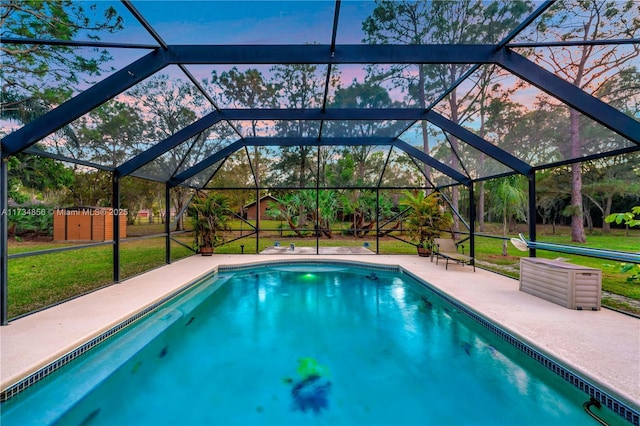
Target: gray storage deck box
<point x="569" y="285"/>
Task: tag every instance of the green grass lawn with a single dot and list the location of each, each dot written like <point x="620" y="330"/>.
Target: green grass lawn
<point x="39" y="281"/>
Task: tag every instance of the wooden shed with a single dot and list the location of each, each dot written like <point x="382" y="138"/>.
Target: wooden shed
<point x="86" y="224"/>
<point x="252" y="208"/>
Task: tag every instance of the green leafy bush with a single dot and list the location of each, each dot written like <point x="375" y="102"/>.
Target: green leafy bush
<point x="30" y="219"/>
<point x="629" y="219"/>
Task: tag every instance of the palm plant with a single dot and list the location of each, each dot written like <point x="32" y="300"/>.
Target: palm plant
<point x="289" y="209"/>
<point x="426" y="219"/>
<point x="510" y="201"/>
<point x="210" y="218"/>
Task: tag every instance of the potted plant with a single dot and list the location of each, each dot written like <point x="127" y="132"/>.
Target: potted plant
<point x="209" y="216"/>
<point x="426" y="218"/>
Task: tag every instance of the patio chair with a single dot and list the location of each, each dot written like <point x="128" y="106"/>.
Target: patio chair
<point x="447" y="249"/>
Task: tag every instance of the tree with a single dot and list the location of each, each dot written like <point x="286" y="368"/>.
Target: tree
<point x="357" y="165"/>
<point x="360" y="158"/>
<point x="247" y="89"/>
<point x="90" y="188"/>
<point x="509" y="200"/>
<point x="553" y="190"/>
<point x="488" y="95"/>
<point x="361" y="206"/>
<point x="36" y="77"/>
<point x="407" y="22"/>
<point x="109" y="135"/>
<point x="137" y="194"/>
<point x="427" y="217"/>
<point x="630" y="219"/>
<point x="236" y="173"/>
<point x="468" y="22"/>
<point x="210" y="218"/>
<point x="291" y="208"/>
<point x="299" y="86"/>
<point x="296" y="204"/>
<point x="31" y="175"/>
<point x="610" y="177"/>
<point x="169" y="105"/>
<point x="402" y="22"/>
<point x="327" y="212"/>
<point x="588" y="67"/>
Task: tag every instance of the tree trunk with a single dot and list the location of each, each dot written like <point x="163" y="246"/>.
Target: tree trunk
<point x="606" y="226"/>
<point x="577" y="225"/>
<point x="482" y="134"/>
<point x="455" y="197"/>
<point x="178" y="201"/>
<point x="504" y="231"/>
<point x="301" y="165"/>
<point x="481" y="206"/>
<point x="423" y="123"/>
<point x="589" y="219"/>
<point x="256" y="165"/>
<point x="293" y="226"/>
<point x="302" y="217"/>
<point x="455" y="192"/>
<point x="359" y="222"/>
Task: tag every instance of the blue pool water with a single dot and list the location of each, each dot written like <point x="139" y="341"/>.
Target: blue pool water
<point x="298" y="345"/>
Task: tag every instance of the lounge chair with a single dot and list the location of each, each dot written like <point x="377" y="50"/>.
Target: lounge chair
<point x="447" y="249"/>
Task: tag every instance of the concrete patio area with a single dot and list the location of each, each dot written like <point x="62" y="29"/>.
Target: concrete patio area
<point x="287" y="250"/>
<point x="601" y="346"/>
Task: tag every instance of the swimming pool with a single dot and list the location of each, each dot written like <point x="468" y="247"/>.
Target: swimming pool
<point x="291" y="344"/>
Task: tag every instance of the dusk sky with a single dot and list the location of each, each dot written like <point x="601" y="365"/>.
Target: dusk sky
<point x="243" y="22"/>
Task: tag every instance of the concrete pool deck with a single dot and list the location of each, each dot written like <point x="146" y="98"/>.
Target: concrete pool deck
<point x="282" y="250"/>
<point x="601" y="346"/>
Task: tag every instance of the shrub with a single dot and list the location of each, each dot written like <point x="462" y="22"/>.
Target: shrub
<point x="36" y="219"/>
